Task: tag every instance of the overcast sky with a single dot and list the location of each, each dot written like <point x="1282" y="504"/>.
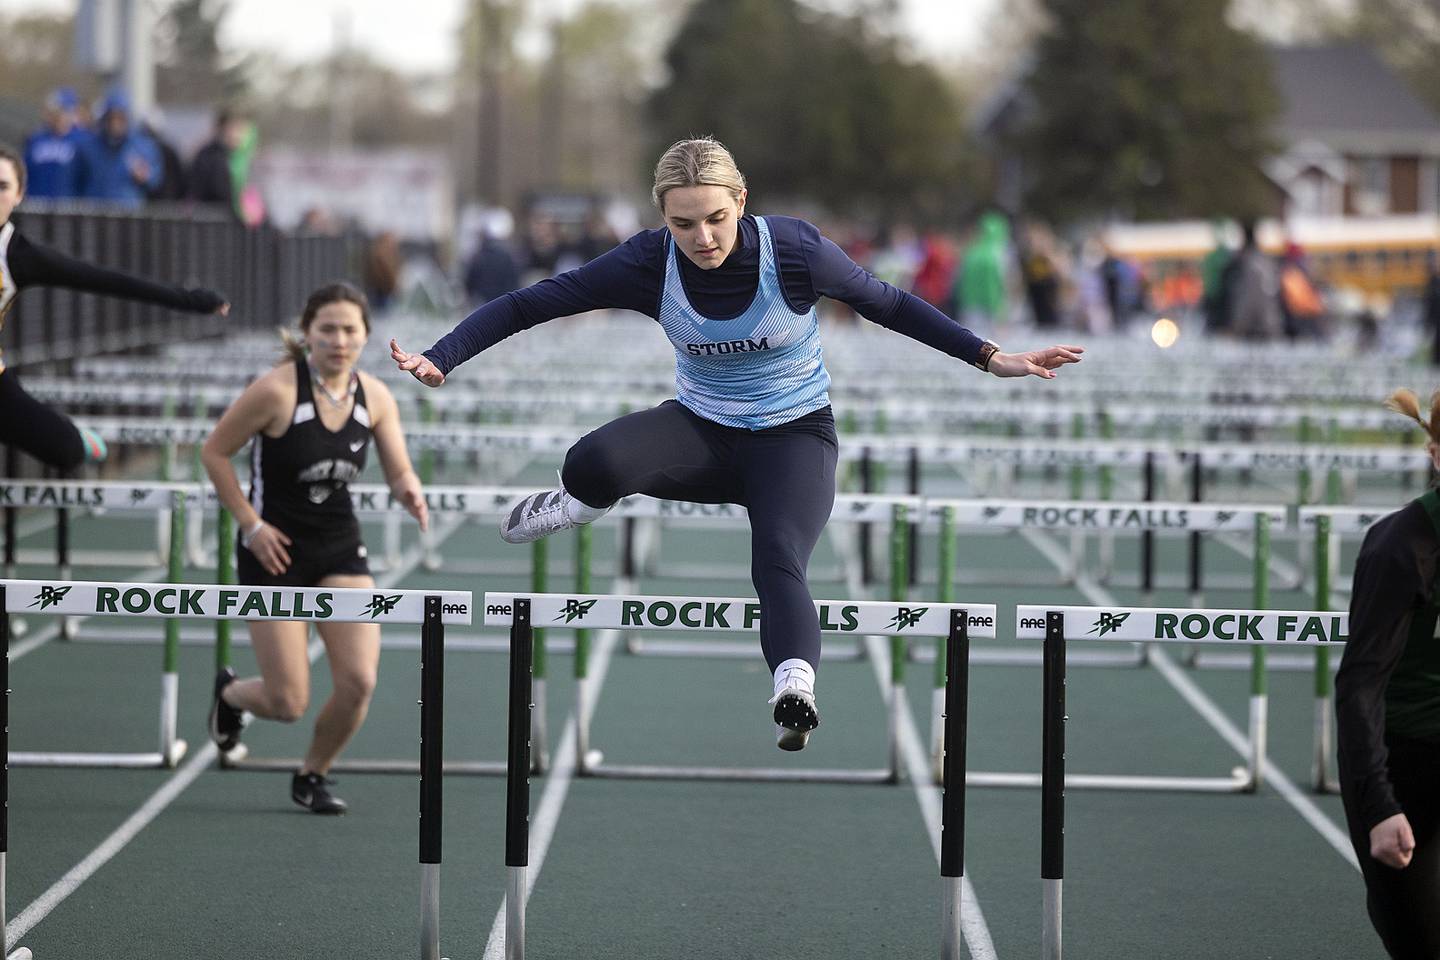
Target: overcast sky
<point x="420" y="34"/>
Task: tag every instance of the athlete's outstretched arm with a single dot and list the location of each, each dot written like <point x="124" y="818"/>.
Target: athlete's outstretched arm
<point x="250" y="414"/>
<point x="390" y="445"/>
<point x="34" y="265"/>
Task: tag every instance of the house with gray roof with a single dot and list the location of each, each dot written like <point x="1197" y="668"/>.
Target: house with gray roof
<point x="1357" y="140"/>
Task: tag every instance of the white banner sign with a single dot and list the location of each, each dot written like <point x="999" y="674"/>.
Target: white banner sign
<point x="1103" y="515"/>
<point x="1279" y="627"/>
<point x="216" y="602"/>
<point x="692" y="614"/>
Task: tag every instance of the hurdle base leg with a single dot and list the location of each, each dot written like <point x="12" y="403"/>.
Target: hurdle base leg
<point x="515" y="914"/>
<point x="951" y="935"/>
<point x="1050" y="940"/>
<point x="1259" y="731"/>
<point x="429" y="911"/>
<point x="1321" y="779"/>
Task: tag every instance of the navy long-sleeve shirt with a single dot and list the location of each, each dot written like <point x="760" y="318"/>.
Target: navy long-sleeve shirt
<point x="630" y="277"/>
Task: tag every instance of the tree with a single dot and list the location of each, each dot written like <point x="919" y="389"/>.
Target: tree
<point x="35" y="56"/>
<point x="1405" y="33"/>
<point x="817" y="108"/>
<point x="1147" y="109"/>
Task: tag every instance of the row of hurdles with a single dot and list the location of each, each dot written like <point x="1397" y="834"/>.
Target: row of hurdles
<point x="946" y="516"/>
<point x="521" y="613"/>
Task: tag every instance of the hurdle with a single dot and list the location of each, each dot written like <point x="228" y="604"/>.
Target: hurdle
<point x="521" y="612"/>
<point x="432" y="609"/>
<point x="1055" y="625"/>
<point x="698" y="614"/>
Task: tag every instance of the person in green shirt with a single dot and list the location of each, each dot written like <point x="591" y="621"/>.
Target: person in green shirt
<point x="1387" y="701"/>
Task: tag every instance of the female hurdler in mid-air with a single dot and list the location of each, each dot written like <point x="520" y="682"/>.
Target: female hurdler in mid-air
<point x="751" y="423"/>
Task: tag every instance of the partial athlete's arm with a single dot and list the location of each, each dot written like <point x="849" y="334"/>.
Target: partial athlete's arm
<point x="248" y="416"/>
<point x="34" y="265"/>
<point x="1380" y="616"/>
<point x="835" y="275"/>
<point x="623" y="278"/>
<point x="390" y="445"/>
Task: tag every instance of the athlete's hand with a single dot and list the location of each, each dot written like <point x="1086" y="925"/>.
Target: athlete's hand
<point x="268" y="545"/>
<point x="1392" y="842"/>
<point x="1035" y="363"/>
<point x="417" y="365"/>
<point x="409" y="494"/>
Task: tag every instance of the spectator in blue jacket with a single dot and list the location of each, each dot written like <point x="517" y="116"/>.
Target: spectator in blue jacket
<point x="121" y="163"/>
<point x="54" y="154"/>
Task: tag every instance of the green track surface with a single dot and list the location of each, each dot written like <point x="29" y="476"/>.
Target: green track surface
<point x="695" y="870"/>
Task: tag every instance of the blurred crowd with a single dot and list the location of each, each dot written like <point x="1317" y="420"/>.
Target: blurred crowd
<point x="1001" y="272"/>
<point x="106" y="153"/>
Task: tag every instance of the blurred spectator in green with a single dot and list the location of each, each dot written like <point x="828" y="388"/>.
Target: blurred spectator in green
<point x="1212" y="278"/>
<point x="981" y="291"/>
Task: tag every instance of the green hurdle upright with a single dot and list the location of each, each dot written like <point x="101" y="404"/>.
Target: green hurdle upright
<point x="1321" y="778"/>
<point x="171" y="748"/>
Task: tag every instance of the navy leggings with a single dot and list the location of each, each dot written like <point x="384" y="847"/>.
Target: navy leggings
<point x="28" y="424"/>
<point x="784" y="476"/>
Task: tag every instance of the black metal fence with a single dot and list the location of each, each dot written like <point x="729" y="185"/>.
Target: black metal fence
<point x="264" y="272"/>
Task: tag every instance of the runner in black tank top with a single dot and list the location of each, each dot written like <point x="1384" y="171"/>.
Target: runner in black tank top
<point x="310" y="421"/>
<point x="299" y="483"/>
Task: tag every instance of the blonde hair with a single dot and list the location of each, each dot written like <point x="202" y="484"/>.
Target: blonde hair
<point x="702" y="162"/>
<point x="1405" y="402"/>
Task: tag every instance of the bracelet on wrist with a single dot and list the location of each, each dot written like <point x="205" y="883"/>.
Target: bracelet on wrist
<point x="246" y="536"/>
<point x="988" y="349"/>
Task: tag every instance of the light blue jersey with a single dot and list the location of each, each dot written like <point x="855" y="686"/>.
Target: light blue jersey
<point x="761" y="369"/>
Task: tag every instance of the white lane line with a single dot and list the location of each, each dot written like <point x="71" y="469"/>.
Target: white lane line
<point x="557" y="786"/>
<point x="1210" y="712"/>
<point x="162" y="798"/>
<point x="917" y="766"/>
<point x="113" y="844"/>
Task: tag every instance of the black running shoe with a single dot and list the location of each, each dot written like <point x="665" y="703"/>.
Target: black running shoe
<point x="226" y="722"/>
<point x="795" y="717"/>
<point x="312" y="791"/>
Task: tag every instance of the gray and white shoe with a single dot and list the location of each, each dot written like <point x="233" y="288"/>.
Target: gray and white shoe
<point x="538" y="515"/>
<point x="795" y="717"/>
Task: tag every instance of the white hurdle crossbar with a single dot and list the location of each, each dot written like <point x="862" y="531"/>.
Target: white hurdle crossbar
<point x="1057" y="624"/>
<point x="432" y="609"/>
<point x="522" y="612"/>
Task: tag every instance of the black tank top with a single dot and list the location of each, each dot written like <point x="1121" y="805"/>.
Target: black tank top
<point x="299" y="481"/>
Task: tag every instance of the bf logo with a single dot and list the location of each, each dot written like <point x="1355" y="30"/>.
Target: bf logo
<point x="1109" y="622"/>
<point x="907" y="617"/>
<point x="49" y="596"/>
<point x="380" y="605"/>
<point x="575" y="610"/>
